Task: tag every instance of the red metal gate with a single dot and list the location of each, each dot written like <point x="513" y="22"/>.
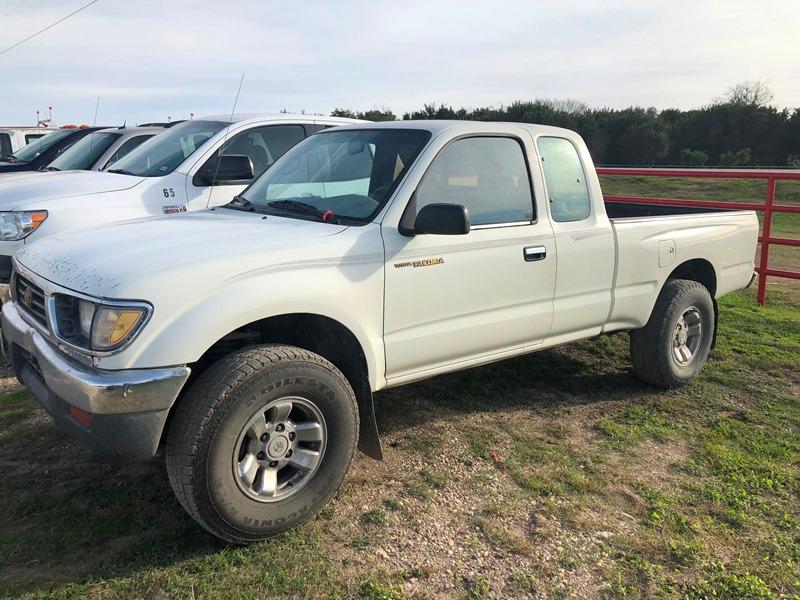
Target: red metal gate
<point x="772" y="176"/>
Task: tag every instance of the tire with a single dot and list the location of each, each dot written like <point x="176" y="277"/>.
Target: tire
<point x="214" y="445"/>
<point x="656" y="351"/>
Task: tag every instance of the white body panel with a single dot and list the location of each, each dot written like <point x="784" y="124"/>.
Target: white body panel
<point x="210" y="273"/>
<point x="727" y="240"/>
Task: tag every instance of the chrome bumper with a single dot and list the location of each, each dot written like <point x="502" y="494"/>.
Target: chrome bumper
<point x="125" y="410"/>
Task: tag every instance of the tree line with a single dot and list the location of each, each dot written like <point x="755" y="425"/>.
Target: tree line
<point x="742" y="128"/>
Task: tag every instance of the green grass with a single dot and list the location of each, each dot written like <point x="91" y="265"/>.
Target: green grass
<point x="707" y="478"/>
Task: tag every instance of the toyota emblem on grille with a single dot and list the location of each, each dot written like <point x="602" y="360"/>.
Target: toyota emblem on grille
<point x="27" y="297"/>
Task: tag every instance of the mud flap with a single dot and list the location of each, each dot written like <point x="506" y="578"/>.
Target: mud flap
<point x="369" y="441"/>
<point x="716" y="323"/>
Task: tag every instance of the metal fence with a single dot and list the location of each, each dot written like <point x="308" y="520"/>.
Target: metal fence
<point x="768" y="207"/>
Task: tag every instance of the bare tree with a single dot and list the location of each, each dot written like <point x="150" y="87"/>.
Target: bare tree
<point x="750" y="93"/>
<point x="567" y="105"/>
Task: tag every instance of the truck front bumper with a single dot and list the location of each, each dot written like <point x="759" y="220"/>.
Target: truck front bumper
<point x="117" y="413"/>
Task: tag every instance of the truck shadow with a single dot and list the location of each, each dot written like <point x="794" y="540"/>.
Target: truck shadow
<point x="71" y="519"/>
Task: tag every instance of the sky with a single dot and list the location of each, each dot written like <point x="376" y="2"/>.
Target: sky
<point x="148" y="60"/>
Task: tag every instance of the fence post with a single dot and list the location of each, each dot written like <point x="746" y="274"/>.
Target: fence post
<point x="766" y="238"/>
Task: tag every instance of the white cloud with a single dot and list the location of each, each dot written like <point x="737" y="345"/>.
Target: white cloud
<point x="149" y="59"/>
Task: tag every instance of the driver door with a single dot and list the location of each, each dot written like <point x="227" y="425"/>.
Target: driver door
<point x="465" y="299"/>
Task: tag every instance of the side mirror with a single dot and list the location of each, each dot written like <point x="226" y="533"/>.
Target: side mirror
<point x="228" y="168"/>
<point x="442" y="219"/>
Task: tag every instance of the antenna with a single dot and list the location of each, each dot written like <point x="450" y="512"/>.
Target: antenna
<point x="224" y="139"/>
<point x="91" y="135"/>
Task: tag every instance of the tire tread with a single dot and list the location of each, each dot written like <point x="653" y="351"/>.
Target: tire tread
<point x="195" y="412"/>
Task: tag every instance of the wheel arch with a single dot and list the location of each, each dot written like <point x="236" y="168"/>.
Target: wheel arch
<point x="699" y="270"/>
<point x="703" y="272"/>
<point x="316" y="333"/>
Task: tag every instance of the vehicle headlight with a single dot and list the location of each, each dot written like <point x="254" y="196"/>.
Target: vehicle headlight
<point x="97" y="327"/>
<point x="113" y="326"/>
<point x="18" y="225"/>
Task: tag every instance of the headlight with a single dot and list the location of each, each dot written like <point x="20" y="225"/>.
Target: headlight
<point x="111" y="326"/>
<point x="20" y="224"/>
<point x="97" y="327"/>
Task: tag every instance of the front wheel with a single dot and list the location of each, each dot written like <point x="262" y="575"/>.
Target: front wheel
<point x="673" y="346"/>
<point x="262" y="441"/>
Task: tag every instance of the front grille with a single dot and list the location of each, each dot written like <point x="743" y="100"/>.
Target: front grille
<point x="68" y="321"/>
<point x="31" y="360"/>
<point x="30" y="297"/>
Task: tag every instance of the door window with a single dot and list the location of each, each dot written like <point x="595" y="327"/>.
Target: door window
<point x="565" y="179"/>
<point x="29" y="137"/>
<point x="488" y="175"/>
<point x="264" y="145"/>
<point x="127" y="146"/>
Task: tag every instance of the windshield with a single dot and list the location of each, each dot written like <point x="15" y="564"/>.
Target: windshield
<point x="164" y="153"/>
<point x="36" y="147"/>
<point x="84" y="153"/>
<point x="337" y="175"/>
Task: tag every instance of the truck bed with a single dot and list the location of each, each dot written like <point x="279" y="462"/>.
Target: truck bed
<point x="628" y="210"/>
<point x="652" y="240"/>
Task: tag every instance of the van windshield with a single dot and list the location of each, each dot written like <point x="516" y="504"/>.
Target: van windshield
<point x="336" y="175"/>
<point x="164" y="153"/>
<point x="84" y="153"/>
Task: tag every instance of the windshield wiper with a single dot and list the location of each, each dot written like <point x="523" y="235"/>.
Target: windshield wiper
<point x="326" y="216"/>
<point x="122" y="172"/>
<point x="49" y="169"/>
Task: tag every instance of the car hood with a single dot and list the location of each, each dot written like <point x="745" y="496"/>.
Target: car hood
<point x="139" y="259"/>
<point x="8" y="176"/>
<point x="26" y="191"/>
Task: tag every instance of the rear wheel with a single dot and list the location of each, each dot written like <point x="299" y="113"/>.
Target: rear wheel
<point x="673" y="346"/>
<point x="262" y="441"/>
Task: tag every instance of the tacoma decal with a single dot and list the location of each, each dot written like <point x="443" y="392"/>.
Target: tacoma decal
<point x="171" y="209"/>
<point x="428" y="262"/>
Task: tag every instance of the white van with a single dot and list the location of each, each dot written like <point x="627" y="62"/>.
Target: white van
<point x="14" y="138"/>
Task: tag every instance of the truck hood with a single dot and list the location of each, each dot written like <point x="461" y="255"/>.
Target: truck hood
<point x="139" y="259"/>
<point x="26" y="192"/>
<point x="17" y="175"/>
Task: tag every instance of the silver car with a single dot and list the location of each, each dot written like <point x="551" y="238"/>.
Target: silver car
<point x="99" y="150"/>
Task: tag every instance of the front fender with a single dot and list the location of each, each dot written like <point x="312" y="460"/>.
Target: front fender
<point x="183" y="328"/>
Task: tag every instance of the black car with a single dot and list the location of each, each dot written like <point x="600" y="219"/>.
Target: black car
<point x="41" y="152"/>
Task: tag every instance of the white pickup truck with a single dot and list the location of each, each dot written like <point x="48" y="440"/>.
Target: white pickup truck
<point x="191" y="166"/>
<point x="249" y="338"/>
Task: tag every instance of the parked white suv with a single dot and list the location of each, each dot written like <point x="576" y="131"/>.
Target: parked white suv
<point x="191" y="166"/>
<point x="250" y="337"/>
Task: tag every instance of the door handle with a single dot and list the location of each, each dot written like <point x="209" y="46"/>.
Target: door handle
<point x="533" y="253"/>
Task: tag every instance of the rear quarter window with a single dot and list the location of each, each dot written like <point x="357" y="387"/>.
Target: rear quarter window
<point x="567" y="191"/>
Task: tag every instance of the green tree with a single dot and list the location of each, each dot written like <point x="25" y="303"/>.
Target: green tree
<point x="695" y="158"/>
<point x="735" y="159"/>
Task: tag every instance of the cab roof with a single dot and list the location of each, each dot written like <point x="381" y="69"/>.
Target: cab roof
<point x="457" y="127"/>
<point x="286" y="117"/>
